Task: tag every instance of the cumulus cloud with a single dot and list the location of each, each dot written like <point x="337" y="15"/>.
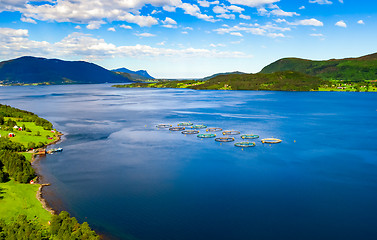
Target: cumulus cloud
<point x="77" y="27"/>
<point x="245" y="17"/>
<point x="145" y="35"/>
<point x="308" y="22"/>
<point x="252" y="3"/>
<point x="125" y="26"/>
<point x="95" y="24"/>
<point x="341" y="23"/>
<point x="217" y="45"/>
<point x="320" y="1"/>
<point x="316" y="35"/>
<point x="279" y="12"/>
<point x="194" y="10"/>
<point x="28" y="20"/>
<point x="15" y="43"/>
<point x="302" y="7"/>
<point x="111" y="29"/>
<point x="236" y="34"/>
<point x="360" y="22"/>
<point x="205" y="3"/>
<point x="268" y="30"/>
<point x="169" y="23"/>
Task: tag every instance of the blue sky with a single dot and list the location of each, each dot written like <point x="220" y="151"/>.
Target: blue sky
<point x="187" y="39"/>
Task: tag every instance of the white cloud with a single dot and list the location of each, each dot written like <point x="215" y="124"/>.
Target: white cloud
<point x="205" y="3"/>
<point x="308" y="22"/>
<point x="142" y="21"/>
<point x="86" y="11"/>
<point x="28" y="20"/>
<point x="95" y="24"/>
<point x="316" y="35"/>
<point x="145" y="35"/>
<point x="252" y="3"/>
<point x="341" y="23"/>
<point x="168" y="20"/>
<point x="111" y="29"/>
<point x="236" y="34"/>
<point x="15" y="43"/>
<point x="217" y="45"/>
<point x="125" y="26"/>
<point x="226" y="16"/>
<point x="219" y="9"/>
<point x="161" y="43"/>
<point x="279" y="20"/>
<point x="279" y="12"/>
<point x="188" y="28"/>
<point x="275" y="35"/>
<point x="169" y="8"/>
<point x="77" y="27"/>
<point x="245" y="17"/>
<point x="234" y="8"/>
<point x="302" y="7"/>
<point x="194" y="10"/>
<point x="360" y="22"/>
<point x="268" y="30"/>
<point x="341" y="1"/>
<point x="320" y="1"/>
<point x="184" y="32"/>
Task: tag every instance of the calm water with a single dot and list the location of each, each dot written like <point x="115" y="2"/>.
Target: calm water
<point x="130" y="180"/>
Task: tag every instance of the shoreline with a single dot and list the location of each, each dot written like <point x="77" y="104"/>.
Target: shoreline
<point x="39" y="194"/>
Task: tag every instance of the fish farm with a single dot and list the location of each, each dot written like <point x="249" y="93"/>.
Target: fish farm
<point x="196" y="128"/>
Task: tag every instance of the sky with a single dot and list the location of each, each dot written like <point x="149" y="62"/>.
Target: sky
<point x="187" y="38"/>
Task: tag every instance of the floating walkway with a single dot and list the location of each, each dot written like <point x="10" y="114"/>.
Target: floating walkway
<point x="224" y="139"/>
<point x="185" y="124"/>
<point x="231" y="132"/>
<point x="163" y="126"/>
<point x="271" y="140"/>
<point x="244" y="144"/>
<point x="190" y="132"/>
<point x="249" y="136"/>
<point x="199" y="126"/>
<point x="177" y="128"/>
<point x="206" y="135"/>
<point x="214" y="129"/>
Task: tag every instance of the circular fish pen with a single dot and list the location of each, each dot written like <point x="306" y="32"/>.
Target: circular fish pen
<point x="206" y="135"/>
<point x="177" y="128"/>
<point x="271" y="140"/>
<point x="244" y="144"/>
<point x="185" y="124"/>
<point x="163" y="126"/>
<point x="231" y="132"/>
<point x="190" y="132"/>
<point x="224" y="139"/>
<point x="214" y="129"/>
<point x="249" y="136"/>
<point x="199" y="126"/>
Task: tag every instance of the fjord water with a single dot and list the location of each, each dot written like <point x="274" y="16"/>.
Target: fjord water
<point x="130" y="180"/>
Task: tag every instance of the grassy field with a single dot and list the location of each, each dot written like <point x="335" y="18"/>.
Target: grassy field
<point x="37" y="134"/>
<point x="17" y="198"/>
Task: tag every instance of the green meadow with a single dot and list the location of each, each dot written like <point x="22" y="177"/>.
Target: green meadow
<point x="17" y="198"/>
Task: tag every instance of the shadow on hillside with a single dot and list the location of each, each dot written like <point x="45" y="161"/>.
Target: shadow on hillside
<point x="1" y="193"/>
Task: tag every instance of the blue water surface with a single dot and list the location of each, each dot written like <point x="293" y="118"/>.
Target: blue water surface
<point x="130" y="180"/>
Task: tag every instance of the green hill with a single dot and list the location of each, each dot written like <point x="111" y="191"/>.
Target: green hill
<point x="280" y="81"/>
<point x="350" y="69"/>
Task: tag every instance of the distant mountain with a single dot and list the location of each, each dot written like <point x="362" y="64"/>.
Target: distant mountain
<point x="137" y="75"/>
<point x="355" y="69"/>
<point x="26" y="70"/>
<point x="226" y="73"/>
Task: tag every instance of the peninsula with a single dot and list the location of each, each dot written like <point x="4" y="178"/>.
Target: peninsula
<point x="22" y="135"/>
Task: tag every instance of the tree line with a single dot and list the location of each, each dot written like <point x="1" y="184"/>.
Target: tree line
<point x="62" y="226"/>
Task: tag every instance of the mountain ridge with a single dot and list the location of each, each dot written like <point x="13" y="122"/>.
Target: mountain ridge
<point x="38" y="70"/>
